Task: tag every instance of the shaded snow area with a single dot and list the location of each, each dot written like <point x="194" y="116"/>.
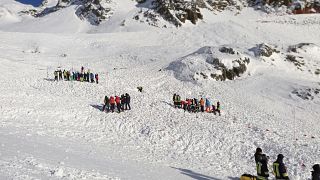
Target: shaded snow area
<point x="56" y="130"/>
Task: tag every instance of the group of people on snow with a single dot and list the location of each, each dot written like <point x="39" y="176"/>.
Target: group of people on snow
<point x="120" y="102"/>
<point x="195" y="105"/>
<point x="83" y="76"/>
<point x="279" y="169"/>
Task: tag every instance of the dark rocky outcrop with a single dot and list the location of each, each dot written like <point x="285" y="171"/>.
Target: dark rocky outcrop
<point x="91" y="10"/>
<point x="264" y="50"/>
<point x="307" y="93"/>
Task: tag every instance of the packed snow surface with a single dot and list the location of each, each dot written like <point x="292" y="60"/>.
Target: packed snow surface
<point x="55" y="130"/>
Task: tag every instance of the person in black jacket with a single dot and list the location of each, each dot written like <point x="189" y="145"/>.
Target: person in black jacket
<point x="127" y="104"/>
<point x="262" y="165"/>
<point x="123" y="102"/>
<point x="279" y="169"/>
<point x="106" y="104"/>
<point x="316" y="172"/>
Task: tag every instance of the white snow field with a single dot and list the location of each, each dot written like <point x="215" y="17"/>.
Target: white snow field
<point x="55" y="130"/>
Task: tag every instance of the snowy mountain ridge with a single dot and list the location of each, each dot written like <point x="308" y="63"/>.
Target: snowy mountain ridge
<point x="176" y="12"/>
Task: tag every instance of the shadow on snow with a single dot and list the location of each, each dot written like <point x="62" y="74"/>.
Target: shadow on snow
<point x="97" y="106"/>
<point x="195" y="175"/>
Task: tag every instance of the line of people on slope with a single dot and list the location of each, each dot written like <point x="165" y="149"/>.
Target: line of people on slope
<point x="279" y="169"/>
<point x="121" y="103"/>
<point x="195" y="105"/>
<point x="83" y="76"/>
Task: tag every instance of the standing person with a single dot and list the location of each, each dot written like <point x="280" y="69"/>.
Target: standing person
<point x="316" y="172"/>
<point x="82" y="69"/>
<point x="178" y="101"/>
<point x="60" y="75"/>
<point x="128" y="101"/>
<point x="88" y="76"/>
<point x="64" y="74"/>
<point x="183" y="104"/>
<point x="84" y="76"/>
<point x="112" y="103"/>
<point x="97" y="78"/>
<point x="202" y="104"/>
<point x="279" y="169"/>
<point x="218" y="108"/>
<point x="196" y="102"/>
<point x="68" y="75"/>
<point x="55" y="75"/>
<point x="118" y="103"/>
<point x="92" y="77"/>
<point x="261" y="164"/>
<point x="189" y="105"/>
<point x="123" y="101"/>
<point x="213" y="109"/>
<point x="106" y="104"/>
<point x="208" y="105"/>
<point x="174" y="99"/>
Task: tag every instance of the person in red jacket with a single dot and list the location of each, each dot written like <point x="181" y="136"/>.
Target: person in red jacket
<point x="182" y="104"/>
<point x="112" y="103"/>
<point x="118" y="103"/>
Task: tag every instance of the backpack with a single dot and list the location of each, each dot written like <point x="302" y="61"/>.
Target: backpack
<point x="247" y="177"/>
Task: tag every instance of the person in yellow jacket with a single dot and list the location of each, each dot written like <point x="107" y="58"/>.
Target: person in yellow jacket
<point x="279" y="169"/>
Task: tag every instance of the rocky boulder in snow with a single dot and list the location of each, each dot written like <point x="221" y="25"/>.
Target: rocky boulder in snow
<point x="264" y="50"/>
<point x="307" y="93"/>
<point x="94" y="11"/>
<point x="216" y="63"/>
<point x="305" y="56"/>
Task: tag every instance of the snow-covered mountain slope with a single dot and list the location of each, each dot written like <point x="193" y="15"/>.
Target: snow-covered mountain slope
<point x="55" y="130"/>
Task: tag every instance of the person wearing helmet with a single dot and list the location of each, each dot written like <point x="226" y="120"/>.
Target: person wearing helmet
<point x="316" y="172"/>
<point x="261" y="164"/>
<point x="279" y="169"/>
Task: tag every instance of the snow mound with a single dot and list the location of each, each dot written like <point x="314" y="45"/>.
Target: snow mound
<point x="302" y="57"/>
<point x="217" y="63"/>
<point x="305" y="56"/>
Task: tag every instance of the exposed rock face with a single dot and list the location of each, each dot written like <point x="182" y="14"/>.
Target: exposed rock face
<point x="92" y="10"/>
<point x="307" y="93"/>
<point x="215" y="63"/>
<point x="178" y="12"/>
<point x="265" y="50"/>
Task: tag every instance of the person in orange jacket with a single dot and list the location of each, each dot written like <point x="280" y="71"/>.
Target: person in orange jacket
<point x="202" y="104"/>
<point x="112" y="103"/>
